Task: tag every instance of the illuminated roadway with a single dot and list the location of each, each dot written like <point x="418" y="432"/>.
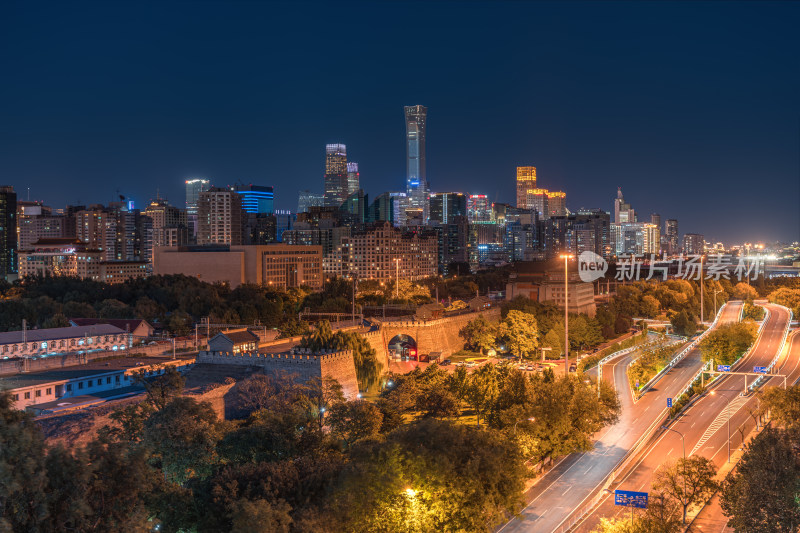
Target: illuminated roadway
<point x="704" y="424"/>
<point x="567" y="487"/>
<point x="711" y="518"/>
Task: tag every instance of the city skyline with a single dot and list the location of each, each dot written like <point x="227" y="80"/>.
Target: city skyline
<point x="615" y="120"/>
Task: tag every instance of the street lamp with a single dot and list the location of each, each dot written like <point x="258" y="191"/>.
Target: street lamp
<point x="531" y="419"/>
<point x="397" y="279"/>
<point x="702" y="284"/>
<point x="566" y="257"/>
<point x="715" y="300"/>
<point x="683" y="443"/>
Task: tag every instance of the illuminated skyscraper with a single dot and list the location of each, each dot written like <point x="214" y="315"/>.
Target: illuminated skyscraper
<point x="479" y="208"/>
<point x="193" y="189"/>
<point x="526" y="180"/>
<point x="538" y="201"/>
<point x="694" y="244"/>
<point x="445" y="206"/>
<point x="623" y="212"/>
<point x="307" y="199"/>
<point x="256" y="198"/>
<point x="352" y="178"/>
<point x="335" y="174"/>
<point x="8" y="231"/>
<point x="417" y="187"/>
<point x="556" y="203"/>
<point x="671" y="234"/>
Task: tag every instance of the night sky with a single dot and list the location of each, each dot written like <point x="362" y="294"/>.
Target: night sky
<point x="692" y="108"/>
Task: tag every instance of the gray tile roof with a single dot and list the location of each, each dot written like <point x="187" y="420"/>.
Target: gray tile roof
<point x="51" y="334"/>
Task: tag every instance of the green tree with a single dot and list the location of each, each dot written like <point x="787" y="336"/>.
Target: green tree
<point x="650" y="306"/>
<point x="520" y="331"/>
<point x="744" y="291"/>
<point x="683" y="323"/>
<point x="430" y="476"/>
<point x="352" y="421"/>
<point x="162" y="388"/>
<point x="727" y="342"/>
<point x="23" y="477"/>
<point x="482" y="390"/>
<point x="111" y="308"/>
<point x="479" y="334"/>
<point x="689" y="481"/>
<point x="786" y="297"/>
<point x="56" y="321"/>
<point x="261" y="516"/>
<point x="761" y="494"/>
<point x="782" y="405"/>
<point x="183" y="437"/>
<point x="553" y="341"/>
<point x="437" y="402"/>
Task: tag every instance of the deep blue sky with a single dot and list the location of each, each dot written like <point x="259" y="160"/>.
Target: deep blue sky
<point x="694" y="109"/>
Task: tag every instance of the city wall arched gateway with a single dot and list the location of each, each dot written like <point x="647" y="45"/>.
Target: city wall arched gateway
<point x="439" y="335"/>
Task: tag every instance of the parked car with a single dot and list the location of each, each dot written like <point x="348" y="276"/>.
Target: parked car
<point x="529" y="368"/>
<point x="446" y="362"/>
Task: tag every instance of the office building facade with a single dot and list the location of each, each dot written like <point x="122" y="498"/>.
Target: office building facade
<point x="445" y="206"/>
<point x="694" y="244"/>
<point x="257" y="199"/>
<point x="526" y="180"/>
<point x="417" y="188"/>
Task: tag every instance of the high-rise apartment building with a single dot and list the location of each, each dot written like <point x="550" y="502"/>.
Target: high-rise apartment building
<point x="219" y="217"/>
<point x="417" y="187"/>
<point x="96" y="227"/>
<point x="8" y="231"/>
<point x="671" y="234"/>
<point x="694" y="244"/>
<point x="170" y="226"/>
<point x="335" y="174"/>
<point x="353" y="178"/>
<point x="379" y="251"/>
<point x="623" y="212"/>
<point x="447" y="205"/>
<point x="257" y="199"/>
<point x="526" y="180"/>
<point x="36" y="221"/>
<point x="479" y="209"/>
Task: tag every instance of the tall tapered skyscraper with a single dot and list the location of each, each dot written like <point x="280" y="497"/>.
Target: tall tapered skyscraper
<point x="335" y="174"/>
<point x="417" y="187"/>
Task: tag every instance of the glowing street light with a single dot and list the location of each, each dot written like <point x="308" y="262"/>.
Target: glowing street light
<point x="566" y="257"/>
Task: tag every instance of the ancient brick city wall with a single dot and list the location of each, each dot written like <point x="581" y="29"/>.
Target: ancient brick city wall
<point x="440" y="335"/>
<point x="338" y="365"/>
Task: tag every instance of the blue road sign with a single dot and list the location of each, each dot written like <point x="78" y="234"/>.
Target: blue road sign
<point x="629" y="498"/>
<point x="669" y="402"/>
<point x="760" y="369"/>
<point x="723" y="368"/>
